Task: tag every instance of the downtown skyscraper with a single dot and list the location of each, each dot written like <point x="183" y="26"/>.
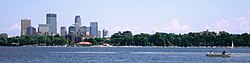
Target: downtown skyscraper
<point x="51" y="19"/>
<point x="78" y="24"/>
<point x="94" y="29"/>
<point x="25" y="23"/>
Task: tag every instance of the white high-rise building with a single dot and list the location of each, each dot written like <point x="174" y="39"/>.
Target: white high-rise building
<point x="52" y="21"/>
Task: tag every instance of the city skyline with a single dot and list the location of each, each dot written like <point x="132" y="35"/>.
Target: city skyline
<point x="141" y="16"/>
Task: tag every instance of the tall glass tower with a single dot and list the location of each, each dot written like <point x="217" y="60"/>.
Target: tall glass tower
<point x="94" y="29"/>
<point x="52" y="21"/>
<point x="77" y="24"/>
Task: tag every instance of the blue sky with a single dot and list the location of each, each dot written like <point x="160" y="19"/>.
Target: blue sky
<point x="138" y="16"/>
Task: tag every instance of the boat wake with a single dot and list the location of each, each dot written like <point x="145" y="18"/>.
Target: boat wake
<point x="83" y="52"/>
<point x="240" y="54"/>
<point x="166" y="53"/>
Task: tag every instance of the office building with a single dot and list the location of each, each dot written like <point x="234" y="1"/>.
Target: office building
<point x="82" y="30"/>
<point x="31" y="31"/>
<point x="87" y="31"/>
<point x="99" y="34"/>
<point x="71" y="30"/>
<point x="25" y="23"/>
<point x="104" y="33"/>
<point x="77" y="24"/>
<point x="43" y="28"/>
<point x="94" y="29"/>
<point x="63" y="31"/>
<point x="52" y="21"/>
<point x="71" y="33"/>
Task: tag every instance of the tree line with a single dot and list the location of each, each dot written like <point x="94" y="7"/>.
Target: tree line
<point x="204" y="38"/>
<point x="55" y="40"/>
<point x="33" y="40"/>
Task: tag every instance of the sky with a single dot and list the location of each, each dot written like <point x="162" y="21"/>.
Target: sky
<point x="138" y="16"/>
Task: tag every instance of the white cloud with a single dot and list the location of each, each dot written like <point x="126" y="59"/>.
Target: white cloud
<point x="243" y="24"/>
<point x="13" y="27"/>
<point x="126" y="27"/>
<point x="12" y="30"/>
<point x="174" y="27"/>
<point x="241" y="18"/>
<point x="222" y="25"/>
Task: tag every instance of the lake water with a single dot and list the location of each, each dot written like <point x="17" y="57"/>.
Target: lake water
<point x="119" y="55"/>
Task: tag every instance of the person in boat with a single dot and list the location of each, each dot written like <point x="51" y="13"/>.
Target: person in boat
<point x="224" y="52"/>
<point x="211" y="52"/>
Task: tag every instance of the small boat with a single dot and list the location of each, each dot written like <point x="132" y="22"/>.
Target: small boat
<point x="218" y="55"/>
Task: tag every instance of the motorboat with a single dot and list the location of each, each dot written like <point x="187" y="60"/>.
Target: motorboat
<point x="217" y="55"/>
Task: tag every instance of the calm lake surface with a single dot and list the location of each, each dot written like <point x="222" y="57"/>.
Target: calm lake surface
<point x="119" y="55"/>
